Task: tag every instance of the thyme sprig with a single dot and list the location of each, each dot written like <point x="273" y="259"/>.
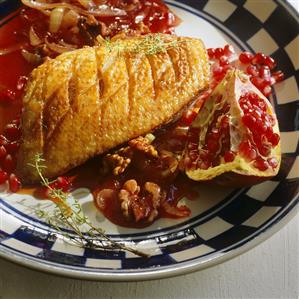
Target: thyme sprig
<point x="151" y="44"/>
<point x="71" y="216"/>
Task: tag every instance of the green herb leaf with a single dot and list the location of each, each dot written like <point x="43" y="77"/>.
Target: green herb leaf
<point x="73" y="218"/>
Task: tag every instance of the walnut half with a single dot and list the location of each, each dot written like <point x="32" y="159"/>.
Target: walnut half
<point x="140" y="205"/>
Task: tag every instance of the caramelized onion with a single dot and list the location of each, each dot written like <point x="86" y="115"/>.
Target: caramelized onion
<point x="99" y="10"/>
<point x="11" y="49"/>
<point x="31" y="58"/>
<point x="34" y="39"/>
<point x="61" y="47"/>
<point x="85" y="3"/>
<point x="56" y="17"/>
<point x="70" y="19"/>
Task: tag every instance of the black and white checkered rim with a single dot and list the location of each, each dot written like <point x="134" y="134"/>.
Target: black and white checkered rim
<point x="241" y="224"/>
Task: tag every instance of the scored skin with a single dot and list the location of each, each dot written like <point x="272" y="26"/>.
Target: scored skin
<point x="85" y="102"/>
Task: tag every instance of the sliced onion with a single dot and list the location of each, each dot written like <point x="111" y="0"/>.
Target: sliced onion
<point x="34" y="39"/>
<point x="70" y="19"/>
<point x="99" y="10"/>
<point x="176" y="211"/>
<point x="56" y="17"/>
<point x="85" y="3"/>
<point x="60" y="48"/>
<point x="11" y="49"/>
<point x="31" y="58"/>
<point x="102" y="196"/>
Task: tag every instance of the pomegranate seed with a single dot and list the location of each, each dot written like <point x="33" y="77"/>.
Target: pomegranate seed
<point x="21" y="82"/>
<point x="217" y="70"/>
<point x="219" y="52"/>
<point x="214" y="134"/>
<point x="63" y="183"/>
<point x="188" y="117"/>
<point x="252" y="70"/>
<point x="193" y="134"/>
<point x="9" y="163"/>
<point x="3" y="140"/>
<point x="193" y="154"/>
<point x="262" y="105"/>
<point x="267" y="91"/>
<point x="244" y="145"/>
<point x="229" y="156"/>
<point x="3" y="177"/>
<point x="253" y="97"/>
<point x="272" y="162"/>
<point x="7" y="96"/>
<point x="223" y="60"/>
<point x="212" y="145"/>
<point x="211" y="53"/>
<point x="271" y="81"/>
<point x="258" y="58"/>
<point x="12" y="132"/>
<point x="14" y="183"/>
<point x="264" y="149"/>
<point x="245" y="57"/>
<point x="247" y="151"/>
<point x="16" y="121"/>
<point x="260" y="126"/>
<point x="12" y="147"/>
<point x="216" y="161"/>
<point x="258" y="82"/>
<point x="271" y="119"/>
<point x="244" y="107"/>
<point x="229" y="50"/>
<point x="218" y="73"/>
<point x="203" y="155"/>
<point x="224" y="123"/>
<point x="265" y="72"/>
<point x="249" y="120"/>
<point x="3" y="152"/>
<point x="261" y="164"/>
<point x="204" y="165"/>
<point x="274" y="139"/>
<point x="257" y="113"/>
<point x="270" y="62"/>
<point x="278" y="76"/>
<point x="219" y="98"/>
<point x="226" y="68"/>
<point x="187" y="162"/>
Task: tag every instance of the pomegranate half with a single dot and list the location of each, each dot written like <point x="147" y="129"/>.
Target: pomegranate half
<point x="234" y="139"/>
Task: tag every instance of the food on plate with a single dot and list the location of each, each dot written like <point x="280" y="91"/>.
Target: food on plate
<point x="118" y="104"/>
<point x="235" y="136"/>
<point x="54" y="27"/>
<point x="86" y="102"/>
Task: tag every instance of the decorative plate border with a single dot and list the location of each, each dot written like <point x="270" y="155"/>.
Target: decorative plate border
<point x="280" y="205"/>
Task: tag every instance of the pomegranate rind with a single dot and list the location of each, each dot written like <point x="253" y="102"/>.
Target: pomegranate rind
<point x="231" y="88"/>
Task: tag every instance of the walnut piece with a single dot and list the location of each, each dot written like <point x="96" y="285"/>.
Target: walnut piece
<point x="139" y="205"/>
<point x="144" y="156"/>
<point x="118" y="163"/>
<point x="143" y="145"/>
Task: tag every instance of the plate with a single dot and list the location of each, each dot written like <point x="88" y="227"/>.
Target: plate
<point x="224" y="222"/>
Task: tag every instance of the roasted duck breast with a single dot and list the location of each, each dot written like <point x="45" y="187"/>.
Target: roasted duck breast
<point x="86" y="102"/>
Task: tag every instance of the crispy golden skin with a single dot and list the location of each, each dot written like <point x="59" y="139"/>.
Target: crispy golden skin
<point x="85" y="102"/>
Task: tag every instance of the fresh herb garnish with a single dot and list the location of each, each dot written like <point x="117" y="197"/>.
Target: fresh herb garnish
<point x="153" y="44"/>
<point x="72" y="217"/>
<point x="149" y="45"/>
